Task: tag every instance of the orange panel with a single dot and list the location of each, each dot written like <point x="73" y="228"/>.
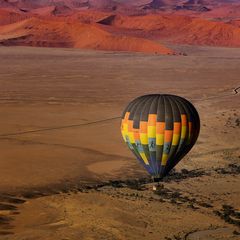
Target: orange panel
<point x="143" y="127"/>
<point x="130" y="125"/>
<point x="136" y="134"/>
<point x="190" y="126"/>
<point x="152" y="118"/>
<point x="160" y="127"/>
<point x="190" y="129"/>
<point x="177" y="128"/>
<point x="126" y="117"/>
<point x="168" y="135"/>
<point x="184" y="119"/>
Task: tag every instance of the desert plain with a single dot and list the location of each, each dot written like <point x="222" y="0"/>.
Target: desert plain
<point x="65" y="170"/>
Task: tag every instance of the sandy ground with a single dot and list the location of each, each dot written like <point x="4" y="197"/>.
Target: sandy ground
<point x="59" y="135"/>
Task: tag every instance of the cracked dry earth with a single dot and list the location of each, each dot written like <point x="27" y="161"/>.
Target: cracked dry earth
<point x="76" y="179"/>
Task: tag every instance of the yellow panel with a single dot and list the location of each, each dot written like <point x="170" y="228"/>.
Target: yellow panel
<point x="151" y="131"/>
<point x="131" y="137"/>
<point x="144" y="158"/>
<point x="159" y="139"/>
<point x="125" y="128"/>
<point x="144" y="138"/>
<point x="175" y="140"/>
<point x="123" y="135"/>
<point x="164" y="159"/>
<point x="183" y="132"/>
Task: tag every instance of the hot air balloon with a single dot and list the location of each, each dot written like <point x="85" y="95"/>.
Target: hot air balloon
<point x="160" y="129"/>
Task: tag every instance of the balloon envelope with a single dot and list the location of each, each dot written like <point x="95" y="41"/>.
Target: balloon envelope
<point x="160" y="130"/>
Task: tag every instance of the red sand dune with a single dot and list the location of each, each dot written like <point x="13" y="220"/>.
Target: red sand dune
<point x="43" y="11"/>
<point x="88" y="16"/>
<point x="177" y="29"/>
<point x="119" y="25"/>
<point x="235" y="23"/>
<point x="36" y="32"/>
<point x="8" y="16"/>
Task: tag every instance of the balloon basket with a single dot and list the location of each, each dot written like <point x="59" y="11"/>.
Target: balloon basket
<point x="158" y="187"/>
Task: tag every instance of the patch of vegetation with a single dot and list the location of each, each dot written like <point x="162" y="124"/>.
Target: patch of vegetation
<point x="184" y="174"/>
<point x="230" y="169"/>
<point x="4" y="220"/>
<point x="229" y="215"/>
<point x="176" y="197"/>
<point x="4" y="206"/>
<point x="11" y="199"/>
